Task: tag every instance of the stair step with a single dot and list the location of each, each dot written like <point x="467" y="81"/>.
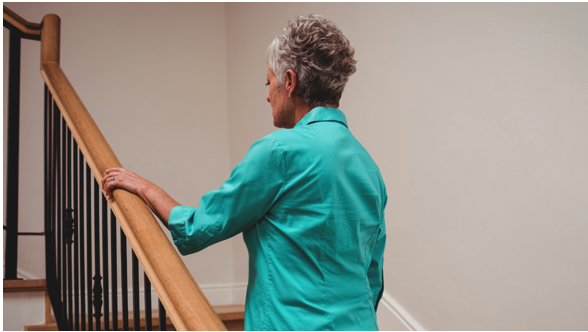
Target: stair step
<point x="31" y="285"/>
<point x="231" y="315"/>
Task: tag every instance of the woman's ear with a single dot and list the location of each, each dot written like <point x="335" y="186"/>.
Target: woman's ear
<point x="291" y="82"/>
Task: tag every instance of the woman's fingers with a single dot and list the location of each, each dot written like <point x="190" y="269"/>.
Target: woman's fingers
<point x="122" y="179"/>
<point x="115" y="169"/>
<point x="108" y="185"/>
<point x="106" y="179"/>
<point x="109" y="181"/>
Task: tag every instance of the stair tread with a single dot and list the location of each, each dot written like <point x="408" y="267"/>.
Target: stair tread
<point x="230" y="312"/>
<point x="29" y="285"/>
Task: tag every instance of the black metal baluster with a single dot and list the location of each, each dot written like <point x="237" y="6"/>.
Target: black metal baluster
<point x="11" y="193"/>
<point x="76" y="218"/>
<point x="105" y="262"/>
<point x="51" y="171"/>
<point x="47" y="190"/>
<point x="97" y="290"/>
<point x="114" y="271"/>
<point x="82" y="226"/>
<point x="136" y="304"/>
<point x="162" y="317"/>
<point x="89" y="238"/>
<point x="62" y="221"/>
<point x="46" y="175"/>
<point x="56" y="213"/>
<point x="70" y="232"/>
<point x="147" y="295"/>
<point x="50" y="257"/>
<point x="57" y="201"/>
<point x="124" y="280"/>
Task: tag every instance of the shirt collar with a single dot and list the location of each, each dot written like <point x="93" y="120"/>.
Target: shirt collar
<point x="322" y="113"/>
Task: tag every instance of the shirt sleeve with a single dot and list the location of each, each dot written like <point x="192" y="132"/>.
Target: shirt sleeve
<point x="375" y="270"/>
<point x="255" y="184"/>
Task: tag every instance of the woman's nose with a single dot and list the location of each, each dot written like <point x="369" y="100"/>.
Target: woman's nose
<point x="267" y="98"/>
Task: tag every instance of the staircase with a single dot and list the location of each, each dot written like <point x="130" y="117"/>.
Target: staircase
<point x="231" y="315"/>
<point x="87" y="234"/>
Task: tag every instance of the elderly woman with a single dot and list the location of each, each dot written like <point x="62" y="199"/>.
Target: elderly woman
<point x="309" y="199"/>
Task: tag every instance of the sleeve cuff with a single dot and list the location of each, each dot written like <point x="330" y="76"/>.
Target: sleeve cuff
<point x="178" y="217"/>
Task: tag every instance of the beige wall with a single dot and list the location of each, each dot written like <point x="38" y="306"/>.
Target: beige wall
<point x="475" y="113"/>
<point x="477" y="116"/>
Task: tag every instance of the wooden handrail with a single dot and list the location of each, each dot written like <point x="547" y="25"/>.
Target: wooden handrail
<point x="183" y="299"/>
<point x="21" y="24"/>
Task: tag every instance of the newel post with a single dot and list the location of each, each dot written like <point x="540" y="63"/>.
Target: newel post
<point x="50" y="39"/>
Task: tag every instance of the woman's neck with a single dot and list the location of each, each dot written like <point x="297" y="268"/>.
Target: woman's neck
<point x="301" y="109"/>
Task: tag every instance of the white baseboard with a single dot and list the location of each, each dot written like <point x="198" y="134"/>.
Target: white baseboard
<point x="392" y="316"/>
<point x="219" y="294"/>
<point x="225" y="293"/>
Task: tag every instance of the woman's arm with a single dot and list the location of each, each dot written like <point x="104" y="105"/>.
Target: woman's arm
<point x="156" y="198"/>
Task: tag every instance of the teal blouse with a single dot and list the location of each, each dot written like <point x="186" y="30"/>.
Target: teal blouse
<point x="310" y="203"/>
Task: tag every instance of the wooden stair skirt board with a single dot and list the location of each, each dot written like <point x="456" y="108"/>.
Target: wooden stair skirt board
<point x="231" y="315"/>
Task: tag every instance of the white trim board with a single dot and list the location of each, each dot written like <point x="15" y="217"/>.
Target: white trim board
<point x="219" y="294"/>
<point x="225" y="293"/>
<point x="392" y="316"/>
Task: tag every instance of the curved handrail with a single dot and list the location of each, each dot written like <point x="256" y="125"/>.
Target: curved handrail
<point x="21" y="24"/>
<point x="178" y="291"/>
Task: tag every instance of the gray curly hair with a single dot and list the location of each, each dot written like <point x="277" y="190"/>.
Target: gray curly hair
<point x="320" y="55"/>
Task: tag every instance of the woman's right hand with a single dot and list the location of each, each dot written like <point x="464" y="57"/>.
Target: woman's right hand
<point x="120" y="178"/>
<point x="156" y="198"/>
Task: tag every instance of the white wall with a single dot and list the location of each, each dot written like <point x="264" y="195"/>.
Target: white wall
<point x="22" y="309"/>
<point x="477" y="116"/>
